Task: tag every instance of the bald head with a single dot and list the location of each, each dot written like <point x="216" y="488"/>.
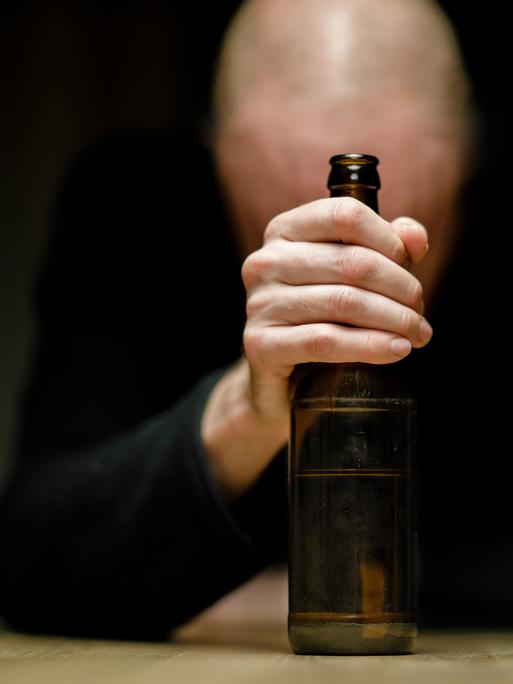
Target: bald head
<point x="301" y="80"/>
<point x="287" y="57"/>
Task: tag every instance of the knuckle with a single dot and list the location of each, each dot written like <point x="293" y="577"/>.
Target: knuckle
<point x="373" y="348"/>
<point x="257" y="267"/>
<point x="253" y="341"/>
<point x="304" y="305"/>
<point x="256" y="303"/>
<point x="349" y="209"/>
<point x="274" y="228"/>
<point x="398" y="252"/>
<point x="366" y="347"/>
<point x="344" y="301"/>
<point x="252" y="307"/>
<point x="356" y="266"/>
<point x="346" y="212"/>
<point x="416" y="294"/>
<point x="320" y="343"/>
<point x="409" y="322"/>
<point x="249" y="270"/>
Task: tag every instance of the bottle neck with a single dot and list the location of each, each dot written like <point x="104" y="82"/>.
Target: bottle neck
<point x="367" y="195"/>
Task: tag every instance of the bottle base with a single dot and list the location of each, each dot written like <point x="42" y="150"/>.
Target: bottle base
<point x="333" y="637"/>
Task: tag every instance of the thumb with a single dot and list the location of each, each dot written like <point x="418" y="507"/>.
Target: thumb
<point x="414" y="236"/>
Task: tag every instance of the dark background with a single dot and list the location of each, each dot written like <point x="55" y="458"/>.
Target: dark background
<point x="70" y="72"/>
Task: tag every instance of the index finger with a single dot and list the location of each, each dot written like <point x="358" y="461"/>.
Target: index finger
<point x="338" y="219"/>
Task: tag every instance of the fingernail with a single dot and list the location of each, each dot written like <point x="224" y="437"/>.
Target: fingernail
<point x="425" y="330"/>
<point x="400" y="346"/>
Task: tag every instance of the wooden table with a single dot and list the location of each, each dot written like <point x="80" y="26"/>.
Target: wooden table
<point x="244" y="640"/>
<point x="251" y="655"/>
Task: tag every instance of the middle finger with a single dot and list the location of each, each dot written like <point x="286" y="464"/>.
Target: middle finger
<point x="307" y="263"/>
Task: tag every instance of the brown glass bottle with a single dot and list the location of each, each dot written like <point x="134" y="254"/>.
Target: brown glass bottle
<point x="351" y="492"/>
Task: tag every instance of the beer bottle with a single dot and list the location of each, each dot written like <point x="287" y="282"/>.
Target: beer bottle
<point x="352" y="583"/>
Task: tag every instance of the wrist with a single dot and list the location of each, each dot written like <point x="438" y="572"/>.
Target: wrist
<point x="238" y="441"/>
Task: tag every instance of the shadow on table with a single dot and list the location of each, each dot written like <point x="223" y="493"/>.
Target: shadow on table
<point x="257" y="637"/>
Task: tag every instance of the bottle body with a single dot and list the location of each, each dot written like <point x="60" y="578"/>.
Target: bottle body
<point x="352" y="513"/>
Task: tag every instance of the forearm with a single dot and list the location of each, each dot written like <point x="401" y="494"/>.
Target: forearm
<point x="239" y="443"/>
<point x="113" y="540"/>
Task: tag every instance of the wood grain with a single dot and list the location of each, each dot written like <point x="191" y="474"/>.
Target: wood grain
<point x="251" y="654"/>
<point x="243" y="639"/>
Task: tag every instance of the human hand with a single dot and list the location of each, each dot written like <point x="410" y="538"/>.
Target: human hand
<point x="330" y="285"/>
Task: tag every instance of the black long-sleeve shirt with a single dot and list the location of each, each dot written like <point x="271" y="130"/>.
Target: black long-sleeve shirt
<point x="111" y="524"/>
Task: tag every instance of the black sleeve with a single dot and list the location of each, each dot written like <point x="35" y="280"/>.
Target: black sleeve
<point x="111" y="524"/>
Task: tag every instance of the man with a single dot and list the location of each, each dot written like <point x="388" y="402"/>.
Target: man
<point x="285" y="99"/>
<point x="151" y="461"/>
